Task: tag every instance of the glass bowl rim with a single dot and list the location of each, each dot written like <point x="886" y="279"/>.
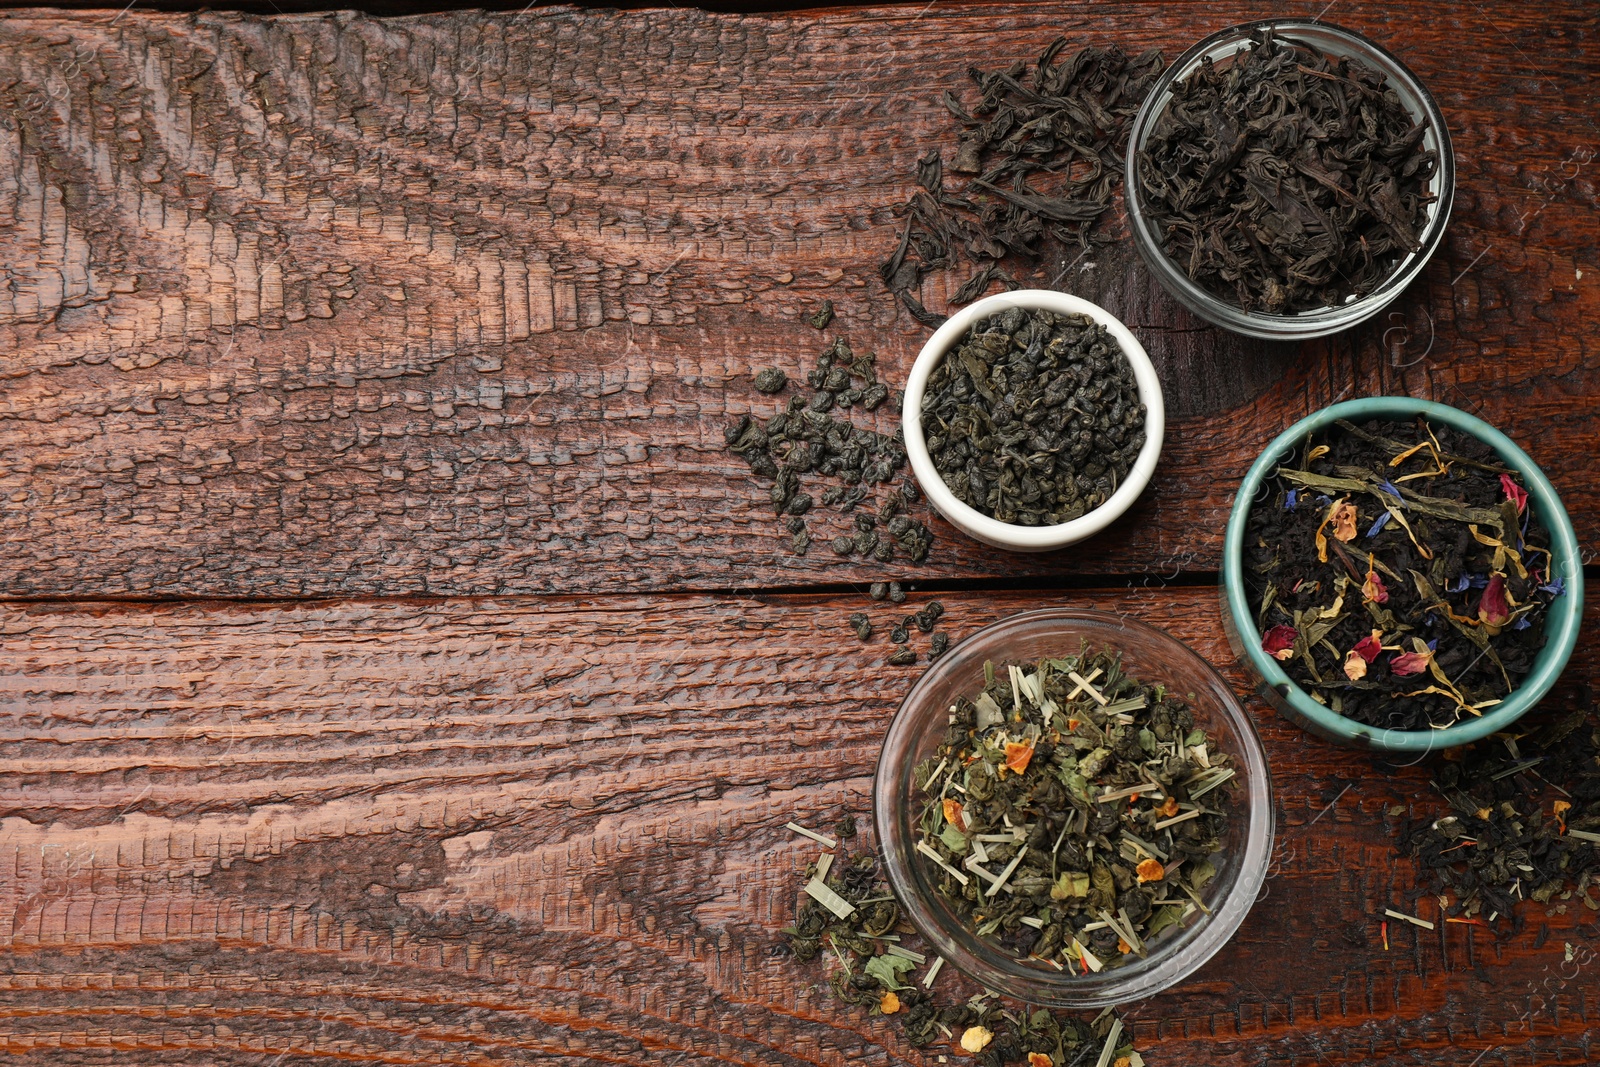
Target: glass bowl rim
<point x="1161" y="970"/>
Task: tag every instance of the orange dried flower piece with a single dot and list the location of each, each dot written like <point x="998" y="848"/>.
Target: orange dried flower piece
<point x="1123" y="1061"/>
<point x="1344" y="522"/>
<point x="1073" y="724"/>
<point x="1018" y="754"/>
<point x="1039" y="1059"/>
<point x="1123" y="947"/>
<point x="890" y="1003"/>
<point x="1169" y="809"/>
<point x="953" y="814"/>
<point x="1151" y="871"/>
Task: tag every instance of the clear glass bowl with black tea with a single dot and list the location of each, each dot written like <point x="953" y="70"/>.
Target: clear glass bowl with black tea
<point x="1288" y="179"/>
<point x="1074" y="808"/>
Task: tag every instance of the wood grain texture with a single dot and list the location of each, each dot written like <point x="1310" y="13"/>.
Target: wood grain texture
<point x="550" y="831"/>
<point x="458" y="304"/>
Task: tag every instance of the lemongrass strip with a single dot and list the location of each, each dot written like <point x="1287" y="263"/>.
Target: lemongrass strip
<point x="922" y="847"/>
<point x="822" y="839"/>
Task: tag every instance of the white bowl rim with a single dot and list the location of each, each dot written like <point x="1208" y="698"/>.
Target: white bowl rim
<point x="1009" y="535"/>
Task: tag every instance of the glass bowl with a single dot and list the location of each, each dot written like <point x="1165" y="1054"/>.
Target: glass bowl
<point x="1319" y="322"/>
<point x="985" y="528"/>
<point x="1150" y="655"/>
<point x="1295" y="704"/>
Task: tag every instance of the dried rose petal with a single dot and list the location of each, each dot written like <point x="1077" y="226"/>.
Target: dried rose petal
<point x="1344" y="522"/>
<point x="1405" y="664"/>
<point x="1355" y="666"/>
<point x="1493" y="608"/>
<point x="1374" y="590"/>
<point x="1514" y="492"/>
<point x="1369" y="647"/>
<point x="1279" y="641"/>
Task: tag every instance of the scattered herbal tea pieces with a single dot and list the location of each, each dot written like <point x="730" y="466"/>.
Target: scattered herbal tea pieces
<point x="1072" y="811"/>
<point x="847" y="920"/>
<point x="1043" y="143"/>
<point x="1034" y="418"/>
<point x="1400" y="573"/>
<point x="1283" y="180"/>
<point x="1523" y="824"/>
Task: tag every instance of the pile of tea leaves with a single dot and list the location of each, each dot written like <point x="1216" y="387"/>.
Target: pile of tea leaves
<point x="848" y="919"/>
<point x="1523" y="824"/>
<point x="1044" y="145"/>
<point x="1034" y="418"/>
<point x="1284" y="180"/>
<point x="805" y="441"/>
<point x="1071" y="812"/>
<point x="1401" y="573"/>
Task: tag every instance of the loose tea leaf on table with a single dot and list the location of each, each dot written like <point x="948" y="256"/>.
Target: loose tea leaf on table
<point x="1034" y="418"/>
<point x="1044" y="145"/>
<point x="1523" y="824"/>
<point x="1284" y="180"/>
<point x="880" y="963"/>
<point x="1400" y="573"/>
<point x="806" y="441"/>
<point x="1071" y="812"/>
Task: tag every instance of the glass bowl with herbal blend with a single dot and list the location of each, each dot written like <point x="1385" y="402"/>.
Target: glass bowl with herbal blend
<point x="1074" y="808"/>
<point x="1288" y="179"/>
<point x="1032" y="419"/>
<point x="1401" y="575"/>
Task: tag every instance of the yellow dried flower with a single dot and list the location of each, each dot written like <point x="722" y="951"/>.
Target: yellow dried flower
<point x="976" y="1039"/>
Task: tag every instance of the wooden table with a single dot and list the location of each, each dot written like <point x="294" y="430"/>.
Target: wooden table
<point x="397" y="670"/>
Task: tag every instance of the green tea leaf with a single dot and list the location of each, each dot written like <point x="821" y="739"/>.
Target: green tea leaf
<point x="1201" y="873"/>
<point x="954" y="840"/>
<point x="1070" y="884"/>
<point x="1170" y="915"/>
<point x="888" y="970"/>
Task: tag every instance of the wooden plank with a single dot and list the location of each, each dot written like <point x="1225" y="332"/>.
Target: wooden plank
<point x="551" y="831"/>
<point x="460" y="303"/>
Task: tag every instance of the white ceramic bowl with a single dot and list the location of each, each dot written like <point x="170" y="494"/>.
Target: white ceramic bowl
<point x="1004" y="534"/>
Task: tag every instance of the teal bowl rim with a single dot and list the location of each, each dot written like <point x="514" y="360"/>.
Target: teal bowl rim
<point x="1561" y="625"/>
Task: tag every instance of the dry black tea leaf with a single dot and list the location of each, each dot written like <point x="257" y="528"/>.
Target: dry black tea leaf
<point x="1400" y="573"/>
<point x="1044" y="146"/>
<point x="1284" y="180"/>
<point x="1034" y="418"/>
<point x="1523" y="821"/>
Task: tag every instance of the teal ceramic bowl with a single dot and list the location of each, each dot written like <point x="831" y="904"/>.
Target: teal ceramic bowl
<point x="1561" y="624"/>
